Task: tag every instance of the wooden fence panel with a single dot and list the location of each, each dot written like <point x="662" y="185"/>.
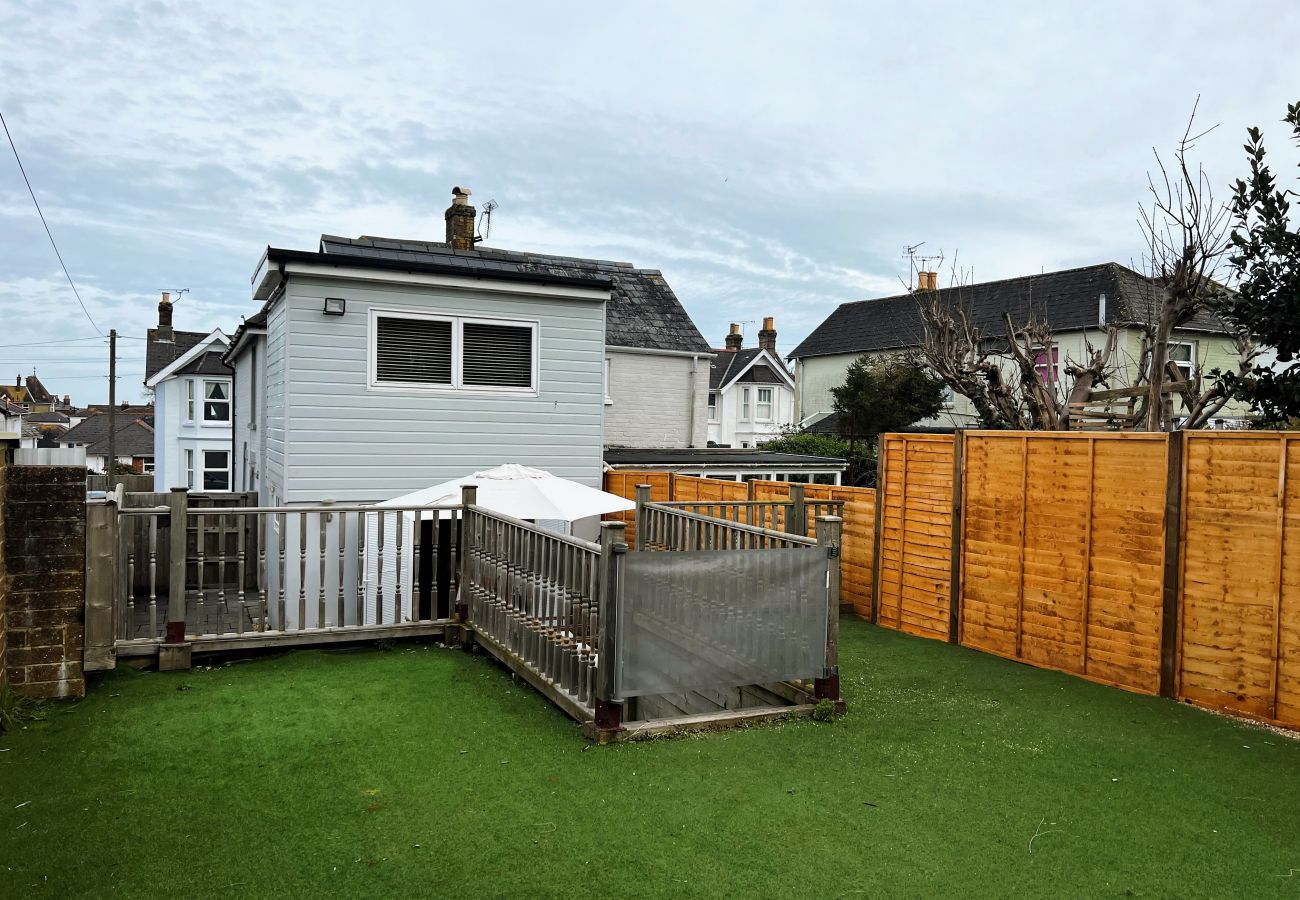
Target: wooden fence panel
<point x="689" y="489"/>
<point x="1239" y="626"/>
<point x="624" y="482"/>
<point x="915" y="533"/>
<point x="1063" y="551"/>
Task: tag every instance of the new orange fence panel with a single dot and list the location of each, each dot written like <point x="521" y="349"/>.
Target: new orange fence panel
<point x="1239" y="630"/>
<point x="915" y="541"/>
<point x="1062" y="552"/>
<point x="858" y="544"/>
<point x="624" y="482"/>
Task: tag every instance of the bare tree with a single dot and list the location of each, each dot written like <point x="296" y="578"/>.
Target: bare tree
<point x="1009" y="376"/>
<point x="1186" y="233"/>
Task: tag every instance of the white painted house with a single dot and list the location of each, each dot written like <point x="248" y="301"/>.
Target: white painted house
<point x="193" y="405"/>
<point x="751" y="393"/>
<point x="377" y="367"/>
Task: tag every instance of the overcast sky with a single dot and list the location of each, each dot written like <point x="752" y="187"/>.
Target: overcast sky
<point x="771" y="159"/>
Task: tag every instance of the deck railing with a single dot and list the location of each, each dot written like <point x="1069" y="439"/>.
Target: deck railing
<point x="247" y="575"/>
<point x="538" y="600"/>
<point x="797" y="515"/>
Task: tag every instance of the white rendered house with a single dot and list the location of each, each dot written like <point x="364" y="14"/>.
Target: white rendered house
<point x="193" y="406"/>
<point x="751" y="393"/>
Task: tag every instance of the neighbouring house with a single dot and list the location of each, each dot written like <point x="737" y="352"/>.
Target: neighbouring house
<point x="133" y="444"/>
<point x="192" y="390"/>
<point x="751" y="393"/>
<point x="1078" y="304"/>
<point x="11" y="416"/>
<point x="45" y="429"/>
<point x="30" y="395"/>
<point x="376" y="367"/>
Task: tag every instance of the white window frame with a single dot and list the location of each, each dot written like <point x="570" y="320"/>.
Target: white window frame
<point x="207" y="469"/>
<point x="1190" y="363"/>
<point x="189" y="399"/>
<point x="229" y="401"/>
<point x="457" y="385"/>
<point x="189" y="469"/>
<point x="744" y="404"/>
<point x="759" y="404"/>
<point x="609" y="401"/>
<point x="713" y="407"/>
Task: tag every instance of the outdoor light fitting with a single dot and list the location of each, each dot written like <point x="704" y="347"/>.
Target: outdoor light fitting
<point x="335" y="306"/>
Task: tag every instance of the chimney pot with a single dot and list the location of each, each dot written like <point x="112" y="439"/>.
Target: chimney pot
<point x="734" y="338"/>
<point x="460" y="220"/>
<point x="767" y="336"/>
<point x="927" y="281"/>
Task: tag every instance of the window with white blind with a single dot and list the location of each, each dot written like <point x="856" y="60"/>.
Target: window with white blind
<point x="437" y="352"/>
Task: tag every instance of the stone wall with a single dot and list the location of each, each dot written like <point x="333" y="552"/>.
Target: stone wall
<point x="45" y="561"/>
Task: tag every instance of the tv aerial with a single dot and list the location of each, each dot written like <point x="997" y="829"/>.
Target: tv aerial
<point x="485" y="221"/>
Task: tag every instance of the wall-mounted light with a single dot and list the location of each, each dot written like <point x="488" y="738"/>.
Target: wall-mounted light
<point x="335" y="306"/>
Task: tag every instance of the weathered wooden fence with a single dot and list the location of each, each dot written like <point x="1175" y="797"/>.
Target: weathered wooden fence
<point x="765" y="503"/>
<point x="1157" y="563"/>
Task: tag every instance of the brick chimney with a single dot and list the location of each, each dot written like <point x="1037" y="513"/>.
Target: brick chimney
<point x="734" y="337"/>
<point x="767" y="336"/>
<point x="460" y="220"/>
<point x="164" y="332"/>
<point x="927" y="281"/>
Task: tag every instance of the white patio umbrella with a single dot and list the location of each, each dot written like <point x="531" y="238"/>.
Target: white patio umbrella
<point x="511" y="489"/>
<point x="522" y="492"/>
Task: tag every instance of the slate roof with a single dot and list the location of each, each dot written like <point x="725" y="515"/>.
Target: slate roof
<point x="719" y="457"/>
<point x="206" y="364"/>
<point x="1066" y="300"/>
<point x="161" y="354"/>
<point x="134" y="436"/>
<point x="52" y="418"/>
<point x="728" y="366"/>
<point x="643" y="312"/>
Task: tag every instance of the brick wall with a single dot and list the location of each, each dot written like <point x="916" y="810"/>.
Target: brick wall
<point x="45" y="558"/>
<point x="4" y="574"/>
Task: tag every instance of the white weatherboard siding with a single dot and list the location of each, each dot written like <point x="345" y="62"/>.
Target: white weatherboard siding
<point x="271" y="490"/>
<point x="657" y="400"/>
<point x="346" y="441"/>
<point x="250" y="414"/>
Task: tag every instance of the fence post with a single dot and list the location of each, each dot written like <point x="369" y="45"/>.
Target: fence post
<point x="1173" y="565"/>
<point x="609" y="712"/>
<point x="829" y="530"/>
<point x="102" y="583"/>
<point x="642" y="498"/>
<point x="468" y="498"/>
<point x="954" y="563"/>
<point x="174" y="652"/>
<point x="877" y="538"/>
<point x="796" y="521"/>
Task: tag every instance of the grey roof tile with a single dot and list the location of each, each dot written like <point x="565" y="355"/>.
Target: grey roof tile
<point x="1066" y="300"/>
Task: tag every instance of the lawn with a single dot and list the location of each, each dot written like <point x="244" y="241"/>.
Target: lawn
<point x="421" y="771"/>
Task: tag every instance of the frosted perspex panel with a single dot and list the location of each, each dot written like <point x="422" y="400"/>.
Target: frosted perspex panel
<point x="720" y="618"/>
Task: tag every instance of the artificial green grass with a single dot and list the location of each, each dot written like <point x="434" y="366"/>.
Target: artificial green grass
<point x="419" y="771"/>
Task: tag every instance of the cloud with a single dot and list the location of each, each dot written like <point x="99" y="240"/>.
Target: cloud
<point x="772" y="164"/>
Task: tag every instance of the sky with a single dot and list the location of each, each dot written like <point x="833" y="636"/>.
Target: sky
<point x="770" y="159"/>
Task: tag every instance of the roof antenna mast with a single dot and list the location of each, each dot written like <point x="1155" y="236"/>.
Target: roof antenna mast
<point x="485" y="221"/>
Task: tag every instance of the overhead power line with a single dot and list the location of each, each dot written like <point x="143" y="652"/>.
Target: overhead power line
<point x="48" y="233"/>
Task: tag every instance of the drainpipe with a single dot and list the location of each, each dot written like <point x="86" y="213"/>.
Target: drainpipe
<point x="695" y="368"/>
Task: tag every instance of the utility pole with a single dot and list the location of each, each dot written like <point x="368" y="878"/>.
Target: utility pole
<point x="112" y="408"/>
